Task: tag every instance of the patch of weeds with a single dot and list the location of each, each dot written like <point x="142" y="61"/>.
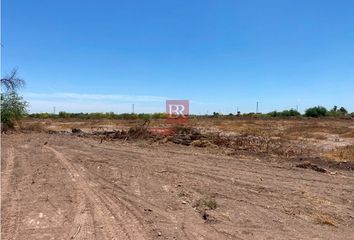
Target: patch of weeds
<point x="183" y="194"/>
<point x="211" y="204"/>
<point x="205" y="204"/>
<point x="141" y="144"/>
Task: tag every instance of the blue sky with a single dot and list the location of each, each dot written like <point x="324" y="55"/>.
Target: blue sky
<point x="105" y="55"/>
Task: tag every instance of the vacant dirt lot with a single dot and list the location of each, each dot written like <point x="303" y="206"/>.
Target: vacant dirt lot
<point x="61" y="186"/>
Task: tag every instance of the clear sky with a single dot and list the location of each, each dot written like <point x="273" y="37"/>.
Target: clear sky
<point x="222" y="54"/>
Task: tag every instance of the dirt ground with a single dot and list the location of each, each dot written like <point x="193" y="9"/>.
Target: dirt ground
<point x="61" y="186"/>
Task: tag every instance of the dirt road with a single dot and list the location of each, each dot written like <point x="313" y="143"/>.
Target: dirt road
<point x="65" y="187"/>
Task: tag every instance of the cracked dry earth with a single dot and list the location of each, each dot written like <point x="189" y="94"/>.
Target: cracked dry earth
<point x="65" y="187"/>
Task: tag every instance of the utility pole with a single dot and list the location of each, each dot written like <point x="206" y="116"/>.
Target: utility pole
<point x="54" y="110"/>
<point x="257" y="108"/>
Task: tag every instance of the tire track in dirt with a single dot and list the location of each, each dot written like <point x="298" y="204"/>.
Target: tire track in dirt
<point x="248" y="178"/>
<point x="126" y="196"/>
<point x="131" y="205"/>
<point x="6" y="176"/>
<point x="83" y="226"/>
<point x="145" y="185"/>
<point x="11" y="195"/>
<point x="245" y="168"/>
<point x="114" y="224"/>
<point x="136" y="204"/>
<point x="130" y="202"/>
<point x="221" y="177"/>
<point x="203" y="173"/>
<point x="213" y="173"/>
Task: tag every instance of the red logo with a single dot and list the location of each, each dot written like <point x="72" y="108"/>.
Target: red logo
<point x="177" y="111"/>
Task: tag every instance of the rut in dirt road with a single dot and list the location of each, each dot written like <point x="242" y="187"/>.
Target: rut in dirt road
<point x="9" y="193"/>
<point x="115" y="223"/>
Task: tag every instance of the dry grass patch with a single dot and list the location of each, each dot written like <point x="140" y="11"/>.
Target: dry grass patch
<point x="325" y="219"/>
<point x="205" y="203"/>
<point x="35" y="127"/>
<point x="342" y="154"/>
<point x="349" y="134"/>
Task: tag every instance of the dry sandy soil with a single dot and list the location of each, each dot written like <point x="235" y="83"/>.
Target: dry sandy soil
<point x="60" y="186"/>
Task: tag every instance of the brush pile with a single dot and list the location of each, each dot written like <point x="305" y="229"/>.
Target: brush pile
<point x="189" y="136"/>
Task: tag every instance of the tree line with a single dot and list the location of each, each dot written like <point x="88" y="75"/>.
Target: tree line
<point x="313" y="112"/>
<point x="14" y="108"/>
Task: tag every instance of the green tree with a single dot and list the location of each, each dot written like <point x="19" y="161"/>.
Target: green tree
<point x="337" y="112"/>
<point x="318" y="111"/>
<point x="290" y="113"/>
<point x="13" y="107"/>
<point x="343" y="111"/>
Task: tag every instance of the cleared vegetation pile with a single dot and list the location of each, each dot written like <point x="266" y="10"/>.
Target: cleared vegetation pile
<point x="189" y="136"/>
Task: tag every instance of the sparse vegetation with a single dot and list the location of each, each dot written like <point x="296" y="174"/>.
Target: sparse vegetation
<point x="13" y="106"/>
<point x="205" y="203"/>
<point x="314" y="112"/>
<point x="107" y="115"/>
<point x="342" y="154"/>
